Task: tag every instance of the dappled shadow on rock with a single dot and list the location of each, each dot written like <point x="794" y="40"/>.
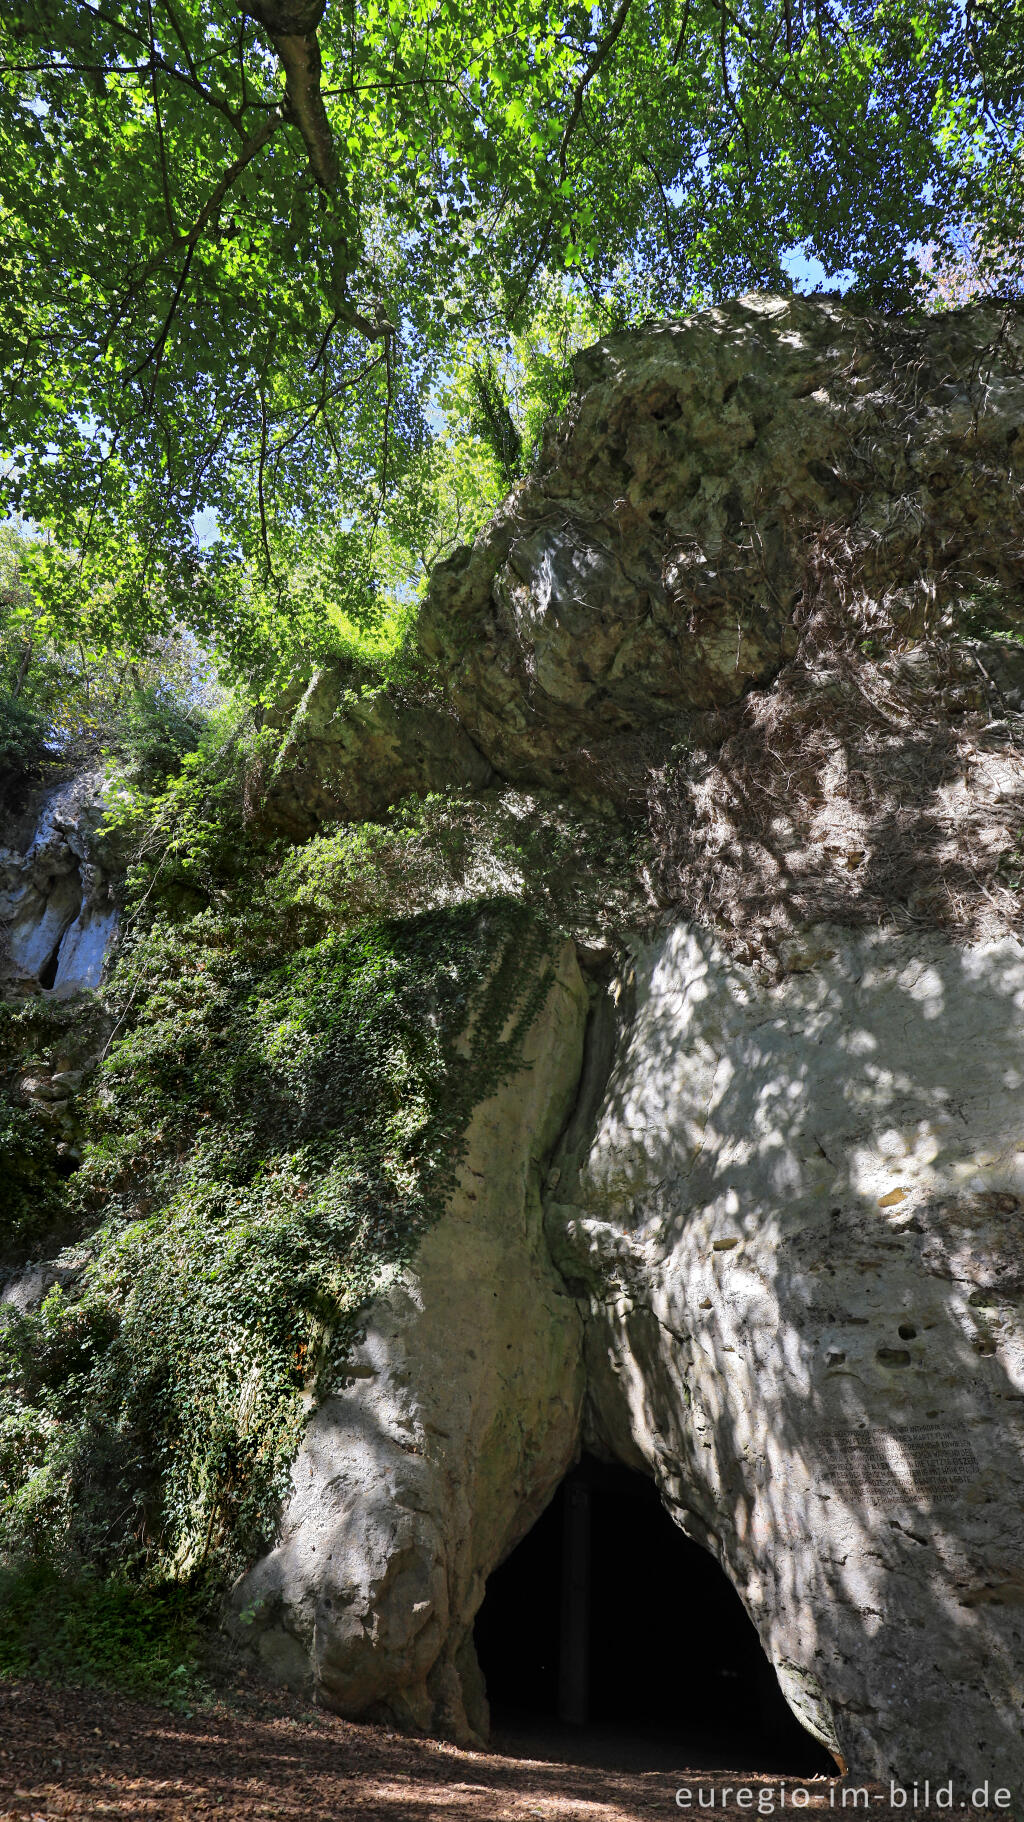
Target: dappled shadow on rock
<point x="863" y="790"/>
<point x="800" y="1220"/>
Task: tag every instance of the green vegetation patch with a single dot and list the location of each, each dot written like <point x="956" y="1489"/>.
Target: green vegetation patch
<point x="79" y="1629"/>
<point x="34" y="1034"/>
<point x="279" y="1119"/>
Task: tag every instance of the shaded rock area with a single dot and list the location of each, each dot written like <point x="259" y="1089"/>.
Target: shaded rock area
<point x="25" y="1290"/>
<point x="354" y="757"/>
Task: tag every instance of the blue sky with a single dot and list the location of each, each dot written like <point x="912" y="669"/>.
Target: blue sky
<point x="808" y="273"/>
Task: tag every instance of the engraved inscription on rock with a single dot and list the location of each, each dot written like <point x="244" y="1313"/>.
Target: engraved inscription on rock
<point x="909" y="1466"/>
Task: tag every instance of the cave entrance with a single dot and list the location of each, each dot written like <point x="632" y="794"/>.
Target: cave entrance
<point x="606" y="1632"/>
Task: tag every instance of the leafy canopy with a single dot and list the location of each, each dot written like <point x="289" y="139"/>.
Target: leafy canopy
<point x="243" y="246"/>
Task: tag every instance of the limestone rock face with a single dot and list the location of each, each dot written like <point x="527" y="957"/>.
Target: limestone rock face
<point x="794" y="1219"/>
<point x="460" y="1418"/>
<point x="707" y="476"/>
<point x="650" y="569"/>
<point x="57" y="917"/>
<point x="353" y="757"/>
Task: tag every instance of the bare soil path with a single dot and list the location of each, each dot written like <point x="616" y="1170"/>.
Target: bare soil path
<point x="87" y="1753"/>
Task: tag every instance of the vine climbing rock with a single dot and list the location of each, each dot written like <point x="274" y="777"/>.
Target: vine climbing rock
<point x="460" y="1416"/>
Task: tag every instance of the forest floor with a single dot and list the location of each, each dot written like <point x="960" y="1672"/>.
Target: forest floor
<point x="84" y="1753"/>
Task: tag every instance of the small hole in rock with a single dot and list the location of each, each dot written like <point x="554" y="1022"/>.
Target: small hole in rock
<point x="907" y="1331"/>
<point x="48" y="974"/>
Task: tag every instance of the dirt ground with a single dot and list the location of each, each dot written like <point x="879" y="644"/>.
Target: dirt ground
<point x="85" y="1753"/>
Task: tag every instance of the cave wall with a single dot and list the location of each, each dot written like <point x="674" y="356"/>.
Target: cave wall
<point x="799" y="1217"/>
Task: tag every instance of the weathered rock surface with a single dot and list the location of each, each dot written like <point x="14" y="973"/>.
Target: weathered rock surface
<point x="461" y="1417"/>
<point x="707" y="477"/>
<point x="795" y="1219"/>
<point x="789" y="1218"/>
<point x="57" y="917"/>
<point x="25" y="1290"/>
<point x="652" y="567"/>
<point x="354" y="757"/>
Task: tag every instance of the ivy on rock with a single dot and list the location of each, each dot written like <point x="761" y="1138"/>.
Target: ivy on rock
<point x="277" y="1124"/>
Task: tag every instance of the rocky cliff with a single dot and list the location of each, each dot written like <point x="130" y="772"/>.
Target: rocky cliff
<point x="737" y="602"/>
<point x="749" y="1213"/>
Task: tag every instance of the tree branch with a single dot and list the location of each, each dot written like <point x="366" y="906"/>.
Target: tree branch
<point x="211" y="207"/>
<point x="598" y="57"/>
<point x="301" y="60"/>
<point x="291" y="26"/>
<point x="165" y="176"/>
<point x="680" y="41"/>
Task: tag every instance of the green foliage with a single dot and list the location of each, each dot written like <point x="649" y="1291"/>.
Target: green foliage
<point x="279" y="1119"/>
<point x="986" y="611"/>
<point x="576" y="869"/>
<point x="156" y="735"/>
<point x="225" y="296"/>
<point x="489" y="408"/>
<point x="34" y="1186"/>
<point x="186" y="833"/>
<point x="77" y="1628"/>
<point x="22" y="744"/>
<point x="64" y="703"/>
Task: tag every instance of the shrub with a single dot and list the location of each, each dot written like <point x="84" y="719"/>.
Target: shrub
<point x="155" y="732"/>
<point x="75" y="1627"/>
<point x="35" y="1199"/>
<point x="22" y="747"/>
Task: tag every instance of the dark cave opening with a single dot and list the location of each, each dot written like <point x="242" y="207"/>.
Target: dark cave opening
<point x="607" y="1629"/>
<point x="48" y="972"/>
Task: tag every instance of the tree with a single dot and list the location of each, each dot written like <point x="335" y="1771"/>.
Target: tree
<point x="242" y="244"/>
